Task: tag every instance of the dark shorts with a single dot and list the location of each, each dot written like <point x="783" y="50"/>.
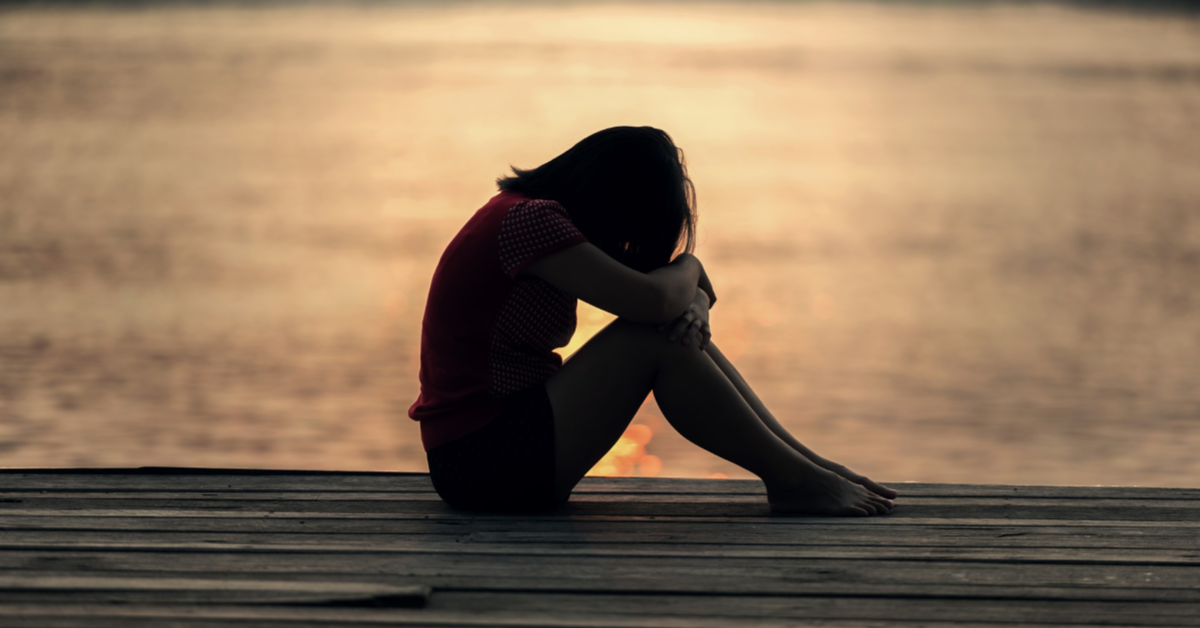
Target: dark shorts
<point x="508" y="465"/>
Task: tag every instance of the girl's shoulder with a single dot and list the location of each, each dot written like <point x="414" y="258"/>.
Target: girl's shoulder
<point x="525" y="209"/>
<point x="532" y="229"/>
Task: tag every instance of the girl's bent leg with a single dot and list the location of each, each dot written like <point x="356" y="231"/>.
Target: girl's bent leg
<point x="594" y="397"/>
<point x="598" y="390"/>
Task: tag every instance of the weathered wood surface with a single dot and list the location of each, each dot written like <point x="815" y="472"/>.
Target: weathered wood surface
<point x="164" y="547"/>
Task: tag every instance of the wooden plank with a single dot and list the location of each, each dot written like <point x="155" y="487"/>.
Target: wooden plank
<point x="564" y="537"/>
<point x="606" y="529"/>
<point x="906" y="489"/>
<point x="223" y="617"/>
<point x="670" y="534"/>
<point x="974" y="509"/>
<point x="876" y="579"/>
<point x="619" y="572"/>
<point x="981" y="509"/>
<point x="837" y="608"/>
<point x="184" y="480"/>
<point x="403" y="546"/>
<point x="33" y="497"/>
<point x="446" y="516"/>
<point x="278" y="499"/>
<point x="1098" y="502"/>
<point x="606" y="541"/>
<point x="19" y="480"/>
<point x="204" y="471"/>
<point x="832" y="535"/>
<point x="452" y="608"/>
<point x="165" y="616"/>
<point x="125" y="590"/>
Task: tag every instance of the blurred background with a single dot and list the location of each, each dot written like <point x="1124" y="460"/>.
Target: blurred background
<point x="953" y="241"/>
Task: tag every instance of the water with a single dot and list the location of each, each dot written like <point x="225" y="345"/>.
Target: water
<point x="951" y="244"/>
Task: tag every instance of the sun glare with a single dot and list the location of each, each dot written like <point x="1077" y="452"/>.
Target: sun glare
<point x="628" y="456"/>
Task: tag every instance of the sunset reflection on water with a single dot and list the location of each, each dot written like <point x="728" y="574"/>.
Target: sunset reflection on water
<point x="953" y="244"/>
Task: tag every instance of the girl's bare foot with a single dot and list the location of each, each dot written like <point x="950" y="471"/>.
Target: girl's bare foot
<point x="827" y="493"/>
<point x="861" y="480"/>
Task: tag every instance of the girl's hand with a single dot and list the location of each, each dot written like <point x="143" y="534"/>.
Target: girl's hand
<point x="691" y="328"/>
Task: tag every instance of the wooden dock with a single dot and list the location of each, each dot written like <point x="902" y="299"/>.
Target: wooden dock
<point x="179" y="547"/>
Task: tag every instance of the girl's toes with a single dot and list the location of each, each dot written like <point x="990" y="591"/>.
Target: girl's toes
<point x="879" y="489"/>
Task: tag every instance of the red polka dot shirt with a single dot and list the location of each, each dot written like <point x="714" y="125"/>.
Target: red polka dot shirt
<point x="489" y="332"/>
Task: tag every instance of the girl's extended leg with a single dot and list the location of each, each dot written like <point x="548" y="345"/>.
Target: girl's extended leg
<point x="769" y="419"/>
<point x="597" y="392"/>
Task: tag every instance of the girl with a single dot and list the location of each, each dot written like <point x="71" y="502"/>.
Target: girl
<point x="508" y="426"/>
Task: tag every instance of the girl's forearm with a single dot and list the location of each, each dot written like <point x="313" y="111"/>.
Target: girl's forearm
<point x="677" y="282"/>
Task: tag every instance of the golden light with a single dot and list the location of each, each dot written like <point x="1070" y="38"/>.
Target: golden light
<point x="650" y="465"/>
<point x="640" y="434"/>
<point x="628" y="455"/>
<point x="589" y="320"/>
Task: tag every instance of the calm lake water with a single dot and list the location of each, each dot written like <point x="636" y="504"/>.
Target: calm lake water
<point x="951" y="244"/>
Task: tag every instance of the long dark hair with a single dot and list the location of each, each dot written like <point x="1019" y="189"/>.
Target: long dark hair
<point x="626" y="188"/>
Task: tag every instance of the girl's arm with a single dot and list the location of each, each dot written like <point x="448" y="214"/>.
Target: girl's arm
<point x="657" y="297"/>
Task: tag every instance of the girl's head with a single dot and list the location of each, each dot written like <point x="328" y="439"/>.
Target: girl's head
<point x="626" y="188"/>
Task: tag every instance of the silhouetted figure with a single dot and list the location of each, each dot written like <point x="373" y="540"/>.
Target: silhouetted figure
<point x="507" y="425"/>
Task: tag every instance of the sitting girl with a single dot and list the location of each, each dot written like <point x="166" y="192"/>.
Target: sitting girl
<point x="507" y="426"/>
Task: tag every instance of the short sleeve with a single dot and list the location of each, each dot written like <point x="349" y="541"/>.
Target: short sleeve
<point x="532" y="230"/>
